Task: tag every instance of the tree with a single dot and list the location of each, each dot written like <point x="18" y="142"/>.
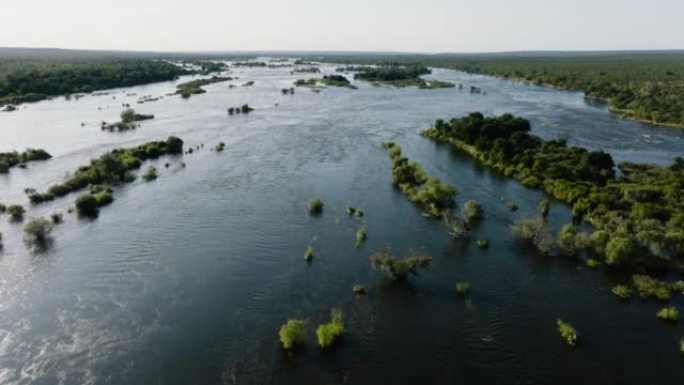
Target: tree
<point x="37" y="233"/>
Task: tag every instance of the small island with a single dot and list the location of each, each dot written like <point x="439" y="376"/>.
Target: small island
<point x="194" y="87"/>
<point x="129" y="119"/>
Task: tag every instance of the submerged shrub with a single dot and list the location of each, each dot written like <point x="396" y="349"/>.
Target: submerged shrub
<point x="56" y="218"/>
<point x="3" y="208"/>
<point x="456" y="226"/>
<point x="150" y="174"/>
<point x="220" y="146"/>
<point x="86" y="206"/>
<point x="472" y="210"/>
<point x="315" y="206"/>
<point x="681" y="345"/>
<point x="651" y="287"/>
<point x="359" y="289"/>
<point x="16" y="212"/>
<point x="567" y="332"/>
<point x="462" y="288"/>
<point x="622" y="291"/>
<point x="309" y="254"/>
<point x="537" y="232"/>
<point x="37" y="233"/>
<point x="360" y="236"/>
<point x="483" y="243"/>
<point x="399" y="269"/>
<point x="544" y="208"/>
<point x="668" y="314"/>
<point x="592" y="263"/>
<point x="293" y="332"/>
<point x="328" y="333"/>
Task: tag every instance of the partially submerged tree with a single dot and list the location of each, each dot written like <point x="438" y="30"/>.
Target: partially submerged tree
<point x="399" y="269"/>
<point x="37" y="233"/>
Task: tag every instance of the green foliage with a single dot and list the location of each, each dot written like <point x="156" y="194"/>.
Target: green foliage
<point x="309" y="254"/>
<point x="619" y="249"/>
<point x="37" y="233"/>
<point x="86" y="206"/>
<point x="359" y="289"/>
<point x="328" y="333"/>
<point x="194" y="87"/>
<point x="462" y="288"/>
<point x="651" y="287"/>
<point x="544" y="208"/>
<point x="472" y="211"/>
<point x="56" y="218"/>
<point x="150" y="174"/>
<point x="399" y="269"/>
<point x="536" y="231"/>
<point x="11" y="159"/>
<point x="567" y="332"/>
<point x="669" y="313"/>
<point x="396" y="75"/>
<point x="293" y="332"/>
<point x="483" y="243"/>
<point x="16" y="212"/>
<point x="360" y="236"/>
<point x="681" y="345"/>
<point x="24" y="81"/>
<point x="315" y="206"/>
<point x="622" y="291"/>
<point x="592" y="263"/>
<point x="128" y="121"/>
<point x="220" y="146"/>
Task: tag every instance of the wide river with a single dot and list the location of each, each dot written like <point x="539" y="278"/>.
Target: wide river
<point x="186" y="280"/>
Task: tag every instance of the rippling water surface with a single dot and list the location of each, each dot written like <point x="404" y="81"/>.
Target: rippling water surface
<point x="186" y="280"/>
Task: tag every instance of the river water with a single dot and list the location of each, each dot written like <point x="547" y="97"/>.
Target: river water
<point x="186" y="280"/>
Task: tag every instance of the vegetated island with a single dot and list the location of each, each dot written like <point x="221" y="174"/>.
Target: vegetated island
<point x="250" y="64"/>
<point x="638" y="216"/>
<point x="129" y="119"/>
<point x="23" y="81"/>
<point x="14" y="158"/>
<point x="112" y="168"/>
<point x="317" y="84"/>
<point x="194" y="87"/>
<point x="400" y="76"/>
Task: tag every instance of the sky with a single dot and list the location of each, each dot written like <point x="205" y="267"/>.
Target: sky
<point x="344" y="25"/>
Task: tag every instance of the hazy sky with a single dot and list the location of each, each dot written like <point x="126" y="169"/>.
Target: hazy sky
<point x="382" y="25"/>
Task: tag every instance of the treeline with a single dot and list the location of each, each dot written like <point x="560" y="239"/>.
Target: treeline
<point x="14" y="158"/>
<point x="638" y="216"/>
<point x="30" y="81"/>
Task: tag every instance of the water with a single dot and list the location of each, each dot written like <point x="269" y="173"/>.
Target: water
<point x="186" y="280"/>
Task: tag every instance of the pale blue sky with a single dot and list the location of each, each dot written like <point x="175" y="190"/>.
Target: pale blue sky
<point x="369" y="25"/>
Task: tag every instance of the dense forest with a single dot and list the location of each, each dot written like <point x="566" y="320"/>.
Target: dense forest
<point x="24" y="81"/>
<point x="644" y="86"/>
<point x="638" y="215"/>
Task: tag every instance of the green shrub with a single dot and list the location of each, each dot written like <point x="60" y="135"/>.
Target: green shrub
<point x="483" y="243"/>
<point x="56" y="218"/>
<point x="618" y="249"/>
<point x="3" y="208"/>
<point x="103" y="198"/>
<point x="220" y="146"/>
<point x="315" y="206"/>
<point x="462" y="288"/>
<point x="150" y="174"/>
<point x="544" y="208"/>
<point x="512" y="207"/>
<point x="329" y="332"/>
<point x="293" y="332"/>
<point x="592" y="263"/>
<point x="37" y="233"/>
<point x="86" y="206"/>
<point x="472" y="211"/>
<point x="668" y="314"/>
<point x="399" y="269"/>
<point x="16" y="212"/>
<point x="622" y="291"/>
<point x="359" y="289"/>
<point x="567" y="332"/>
<point x="360" y="236"/>
<point x="535" y="231"/>
<point x="309" y="254"/>
<point x="651" y="287"/>
<point x="681" y="345"/>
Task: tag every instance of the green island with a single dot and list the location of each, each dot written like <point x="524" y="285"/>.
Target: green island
<point x="194" y="87"/>
<point x="112" y="168"/>
<point x="638" y="215"/>
<point x="14" y="158"/>
<point x="400" y="76"/>
<point x="316" y="84"/>
<point x="23" y="81"/>
<point x="129" y="119"/>
<point x="250" y="64"/>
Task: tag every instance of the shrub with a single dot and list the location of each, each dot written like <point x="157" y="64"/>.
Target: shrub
<point x="359" y="289"/>
<point x="56" y="218"/>
<point x="16" y="212"/>
<point x="456" y="226"/>
<point x="618" y="249"/>
<point x="103" y="198"/>
<point x="544" y="208"/>
<point x="150" y="174"/>
<point x="472" y="211"/>
<point x="592" y="263"/>
<point x="622" y="291"/>
<point x="566" y="240"/>
<point x="309" y="254"/>
<point x="37" y="233"/>
<point x="483" y="243"/>
<point x="360" y="236"/>
<point x="567" y="332"/>
<point x="537" y="232"/>
<point x="86" y="206"/>
<point x="3" y="208"/>
<point x="462" y="288"/>
<point x="651" y="287"/>
<point x="315" y="206"/>
<point x="399" y="269"/>
<point x="220" y="146"/>
<point x="668" y="314"/>
<point x="681" y="345"/>
<point x="329" y="332"/>
<point x="512" y="207"/>
<point x="293" y="332"/>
